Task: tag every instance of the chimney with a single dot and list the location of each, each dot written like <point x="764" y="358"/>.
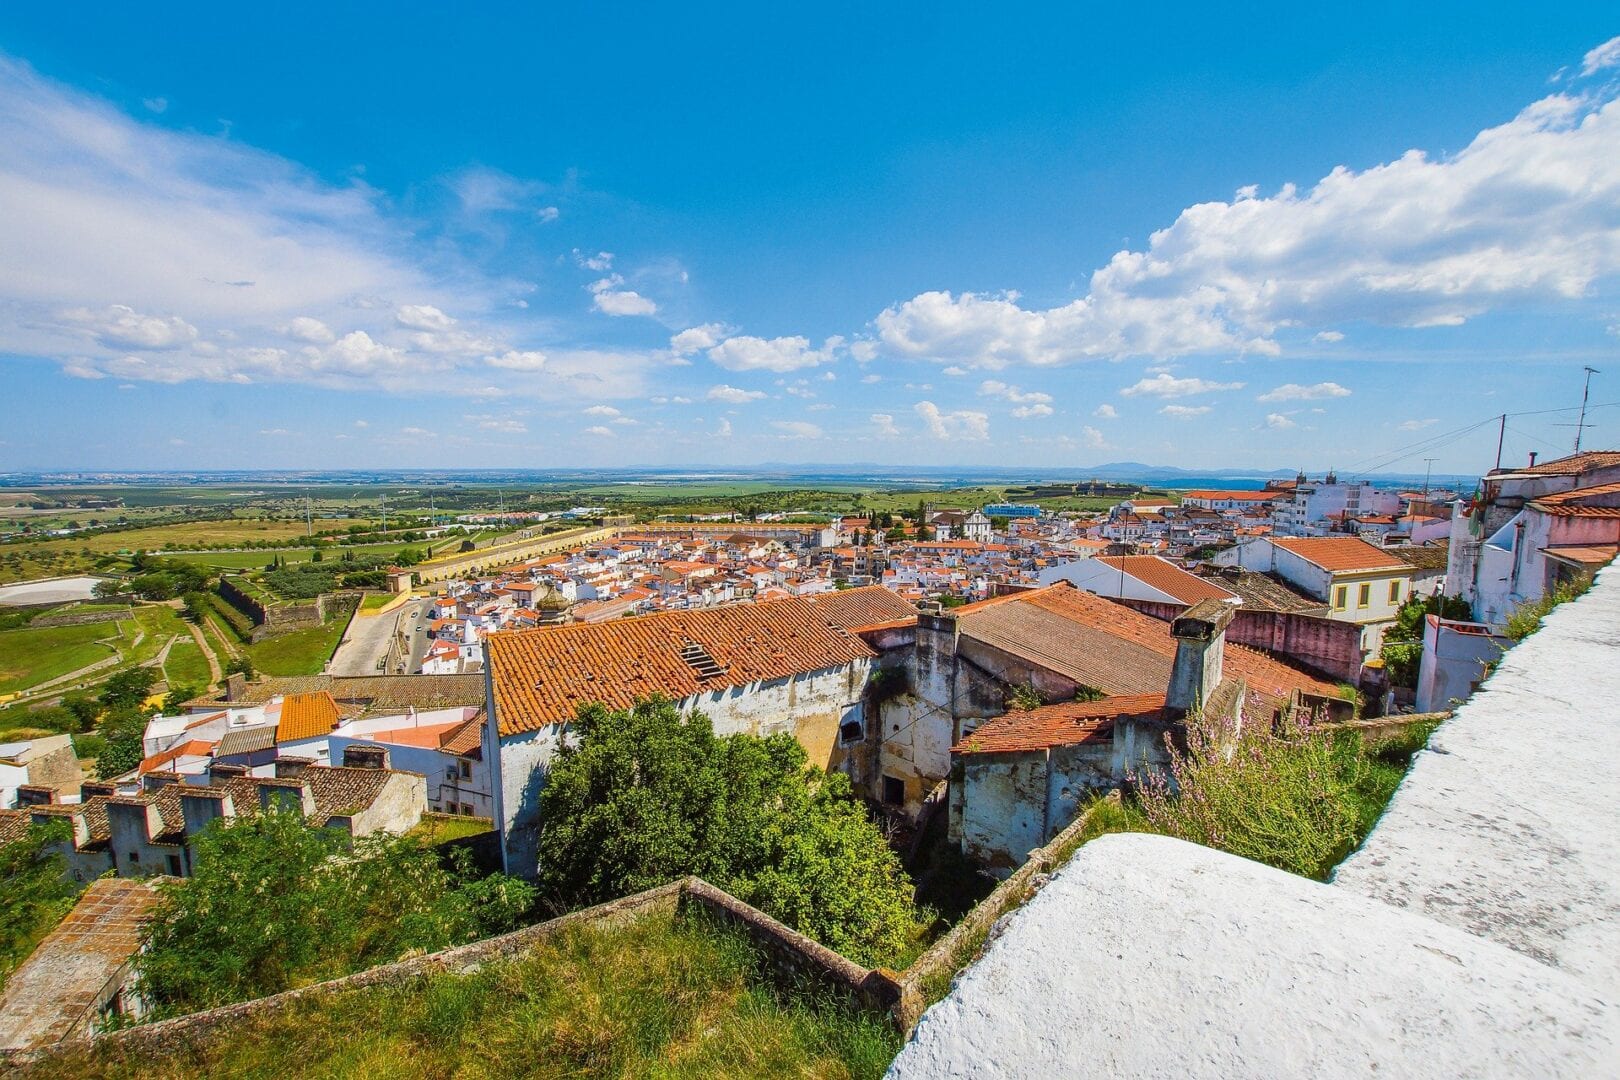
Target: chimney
<point x="235" y="687"/>
<point x="356" y="756"/>
<point x="75" y="819"/>
<point x="154" y="780"/>
<point x="1200" y="634"/>
<point x="131" y="822"/>
<point x="34" y="795"/>
<point x="90" y="789"/>
<point x="200" y="805"/>
<point x="1532" y="459"/>
<point x="287" y="795"/>
<point x="291" y="768"/>
<point x="219" y="772"/>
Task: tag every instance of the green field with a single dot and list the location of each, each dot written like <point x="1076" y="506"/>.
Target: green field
<point x="32" y="655"/>
<point x="186" y="665"/>
<point x="301" y="652"/>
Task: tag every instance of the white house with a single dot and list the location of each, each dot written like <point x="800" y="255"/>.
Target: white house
<point x="1137" y="577"/>
<point x="1360" y="583"/>
<point x="760" y="668"/>
<point x="1312" y="508"/>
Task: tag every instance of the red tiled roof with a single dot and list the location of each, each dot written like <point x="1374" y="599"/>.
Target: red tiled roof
<point x="1232" y="496"/>
<point x="1065" y="724"/>
<point x="1115" y="649"/>
<point x="1569" y="503"/>
<point x="465" y="739"/>
<point x="198" y="747"/>
<point x="1167" y="577"/>
<point x="428" y="736"/>
<point x="1584" y="554"/>
<point x="542" y="676"/>
<point x="1338" y="554"/>
<point x="1574" y="464"/>
<point x="863" y="608"/>
<point x="304" y="716"/>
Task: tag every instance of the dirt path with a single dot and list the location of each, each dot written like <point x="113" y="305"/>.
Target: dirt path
<point x="215" y="672"/>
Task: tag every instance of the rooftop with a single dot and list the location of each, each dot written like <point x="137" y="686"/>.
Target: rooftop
<point x="1108" y="646"/>
<point x="307" y="716"/>
<point x="1573" y="465"/>
<point x="1167" y="577"/>
<point x="542" y="676"/>
<point x="1066" y="724"/>
<point x="58" y="991"/>
<point x="1340" y="554"/>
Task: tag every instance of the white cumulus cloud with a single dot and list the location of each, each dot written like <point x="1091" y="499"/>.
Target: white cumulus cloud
<point x="797" y="429"/>
<point x="1296" y="392"/>
<point x="733" y="395"/>
<point x="1522" y="215"/>
<point x="746" y="353"/>
<point x="1183" y="412"/>
<point x="964" y="424"/>
<point x="1168" y="386"/>
<point x="1105" y="411"/>
<point x="1279" y="422"/>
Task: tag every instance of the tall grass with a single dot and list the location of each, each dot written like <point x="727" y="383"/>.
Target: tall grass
<point x="662" y="997"/>
<point x="1300" y="799"/>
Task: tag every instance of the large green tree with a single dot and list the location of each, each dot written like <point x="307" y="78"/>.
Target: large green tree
<point x="646" y="795"/>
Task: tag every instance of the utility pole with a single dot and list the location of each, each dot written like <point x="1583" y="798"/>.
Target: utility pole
<point x="1580" y="425"/>
<point x="1501" y="433"/>
<point x="383" y="502"/>
<point x="1428" y="470"/>
<point x="309" y="522"/>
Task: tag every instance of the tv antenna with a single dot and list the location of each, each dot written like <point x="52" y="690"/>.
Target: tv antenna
<point x="1428" y="470"/>
<point x="1581" y="425"/>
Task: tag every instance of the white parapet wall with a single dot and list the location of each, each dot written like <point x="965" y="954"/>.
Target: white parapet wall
<point x="1476" y="932"/>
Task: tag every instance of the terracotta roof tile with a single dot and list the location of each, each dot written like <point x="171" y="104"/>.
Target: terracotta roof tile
<point x="1167" y="577"/>
<point x="863" y="608"/>
<point x="542" y="676"/>
<point x="1574" y="464"/>
<point x="1108" y="646"/>
<point x="1065" y="724"/>
<point x="1339" y="553"/>
<point x="304" y="716"/>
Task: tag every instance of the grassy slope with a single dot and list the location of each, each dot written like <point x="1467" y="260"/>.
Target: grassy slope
<point x="658" y="998"/>
<point x="32" y="655"/>
<point x="186" y="665"/>
<point x="301" y="652"/>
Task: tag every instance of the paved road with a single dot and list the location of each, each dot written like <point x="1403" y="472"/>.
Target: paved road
<point x="365" y="643"/>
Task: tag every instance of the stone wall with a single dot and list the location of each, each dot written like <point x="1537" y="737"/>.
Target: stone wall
<point x="77" y="618"/>
<point x="790" y="955"/>
<point x="463" y="564"/>
<point x="1326" y="646"/>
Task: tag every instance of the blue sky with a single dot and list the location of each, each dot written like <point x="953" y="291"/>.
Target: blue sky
<point x="927" y="234"/>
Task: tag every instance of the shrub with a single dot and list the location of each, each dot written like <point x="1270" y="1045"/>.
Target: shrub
<point x="1295" y="800"/>
<point x="1526" y="618"/>
<point x="274" y="903"/>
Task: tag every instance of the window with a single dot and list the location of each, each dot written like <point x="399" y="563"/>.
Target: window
<point x="174" y="866"/>
<point x="466" y="769"/>
<point x="1339" y="595"/>
<point x="134" y="856"/>
<point x="894" y="791"/>
<point x="852" y="729"/>
<point x="1394" y="592"/>
<point x="1364" y="595"/>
